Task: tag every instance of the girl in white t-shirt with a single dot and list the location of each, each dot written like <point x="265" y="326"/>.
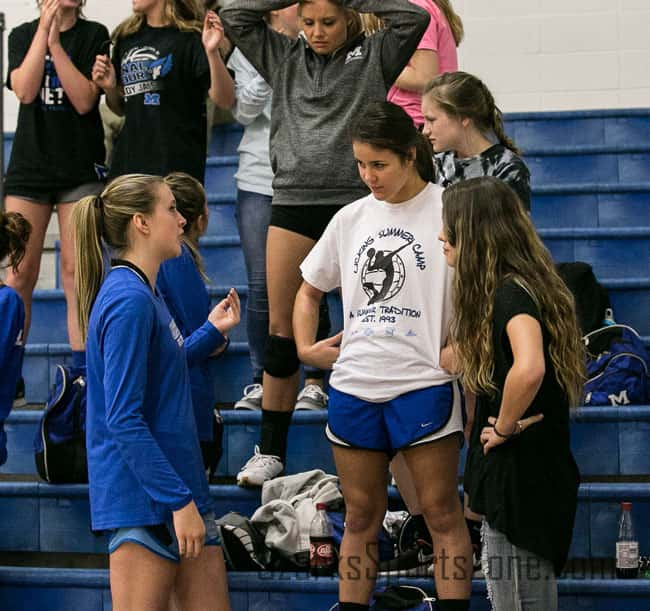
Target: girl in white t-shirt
<point x="389" y="391"/>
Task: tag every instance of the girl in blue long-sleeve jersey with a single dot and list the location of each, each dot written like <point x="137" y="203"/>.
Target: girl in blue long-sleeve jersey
<point x="14" y="233"/>
<point x="181" y="282"/>
<point x="148" y="489"/>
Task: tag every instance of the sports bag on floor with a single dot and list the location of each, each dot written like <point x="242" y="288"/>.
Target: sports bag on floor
<point x="60" y="441"/>
<point x="618" y="367"/>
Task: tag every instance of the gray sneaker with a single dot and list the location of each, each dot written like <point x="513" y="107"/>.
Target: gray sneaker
<point x="252" y="398"/>
<point x="312" y="397"/>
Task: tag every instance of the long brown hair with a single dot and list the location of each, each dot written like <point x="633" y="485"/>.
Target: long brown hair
<point x="99" y="220"/>
<point x="495" y="241"/>
<point x="190" y="201"/>
<point x="461" y="95"/>
<point x="185" y="15"/>
<point x="15" y="230"/>
<point x="372" y="23"/>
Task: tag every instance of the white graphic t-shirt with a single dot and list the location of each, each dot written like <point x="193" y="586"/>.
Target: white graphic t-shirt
<point x="396" y="290"/>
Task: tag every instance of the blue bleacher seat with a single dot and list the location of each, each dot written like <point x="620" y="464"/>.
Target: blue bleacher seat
<point x="591" y="202"/>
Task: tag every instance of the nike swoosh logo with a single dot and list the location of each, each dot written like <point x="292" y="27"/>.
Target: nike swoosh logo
<point x="426" y="424"/>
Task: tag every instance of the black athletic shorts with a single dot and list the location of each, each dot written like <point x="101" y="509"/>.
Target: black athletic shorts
<point x="309" y="221"/>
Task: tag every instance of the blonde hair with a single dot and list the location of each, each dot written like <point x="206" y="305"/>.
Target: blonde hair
<point x="355" y="26"/>
<point x="461" y="95"/>
<point x="184" y="15"/>
<point x="371" y="23"/>
<point x="104" y="219"/>
<point x="495" y="241"/>
<point x="190" y="202"/>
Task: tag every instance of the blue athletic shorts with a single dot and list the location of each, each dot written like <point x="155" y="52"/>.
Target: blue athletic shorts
<point x="161" y="538"/>
<point x="414" y="418"/>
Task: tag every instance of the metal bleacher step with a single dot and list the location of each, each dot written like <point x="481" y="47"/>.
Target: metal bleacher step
<point x="54" y="589"/>
<point x="39" y="517"/>
<point x="606" y="441"/>
<point x="591" y="205"/>
<point x="612" y="252"/>
<point x="581" y="127"/>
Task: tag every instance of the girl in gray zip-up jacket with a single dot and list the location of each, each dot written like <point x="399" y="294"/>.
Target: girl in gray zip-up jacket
<point x="316" y="97"/>
<point x="320" y="83"/>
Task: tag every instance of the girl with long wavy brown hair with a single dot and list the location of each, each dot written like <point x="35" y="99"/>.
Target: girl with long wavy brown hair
<point x="517" y="345"/>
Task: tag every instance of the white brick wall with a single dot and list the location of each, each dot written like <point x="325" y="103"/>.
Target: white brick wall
<point x="534" y="54"/>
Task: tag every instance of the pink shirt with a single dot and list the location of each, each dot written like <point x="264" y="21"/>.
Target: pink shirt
<point x="439" y="38"/>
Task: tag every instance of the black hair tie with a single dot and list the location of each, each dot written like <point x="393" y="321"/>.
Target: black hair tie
<point x="99" y="202"/>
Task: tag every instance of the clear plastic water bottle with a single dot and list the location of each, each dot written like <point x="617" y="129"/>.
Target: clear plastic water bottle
<point x="322" y="559"/>
<point x="627" y="546"/>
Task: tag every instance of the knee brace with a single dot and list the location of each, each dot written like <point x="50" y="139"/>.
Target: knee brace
<point x="280" y="357"/>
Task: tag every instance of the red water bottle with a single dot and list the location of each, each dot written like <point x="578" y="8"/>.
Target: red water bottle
<point x="627" y="546"/>
<point x="322" y="559"/>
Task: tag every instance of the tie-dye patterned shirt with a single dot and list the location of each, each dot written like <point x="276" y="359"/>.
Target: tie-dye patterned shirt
<point x="497" y="161"/>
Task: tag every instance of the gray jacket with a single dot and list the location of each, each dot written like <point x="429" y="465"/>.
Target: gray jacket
<point x="316" y="98"/>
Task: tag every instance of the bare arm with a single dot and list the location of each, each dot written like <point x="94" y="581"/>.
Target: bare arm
<point x="26" y="79"/>
<point x="321" y="354"/>
<point x="222" y="88"/>
<point x="81" y="92"/>
<point x="422" y="68"/>
<point x="104" y="77"/>
<point x="522" y="382"/>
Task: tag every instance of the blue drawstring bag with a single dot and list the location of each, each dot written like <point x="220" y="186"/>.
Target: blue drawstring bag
<point x="618" y="367"/>
<point x="60" y="441"/>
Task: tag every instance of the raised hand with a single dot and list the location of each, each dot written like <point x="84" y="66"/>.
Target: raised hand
<point x="103" y="73"/>
<point x="213" y="33"/>
<point x="49" y="10"/>
<point x="227" y="313"/>
<point x="53" y="37"/>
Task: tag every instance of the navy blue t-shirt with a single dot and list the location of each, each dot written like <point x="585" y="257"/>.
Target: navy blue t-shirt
<point x="182" y="287"/>
<point x="144" y="458"/>
<point x="12" y="321"/>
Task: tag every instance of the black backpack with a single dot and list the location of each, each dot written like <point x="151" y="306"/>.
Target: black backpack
<point x="60" y="441"/>
<point x="591" y="298"/>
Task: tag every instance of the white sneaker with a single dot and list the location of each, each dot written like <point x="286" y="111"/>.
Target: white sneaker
<point x="259" y="469"/>
<point x="252" y="398"/>
<point x="312" y="397"/>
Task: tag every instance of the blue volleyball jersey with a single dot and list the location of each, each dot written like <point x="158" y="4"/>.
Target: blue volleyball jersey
<point x="183" y="289"/>
<point x="144" y="458"/>
<point x="12" y="321"/>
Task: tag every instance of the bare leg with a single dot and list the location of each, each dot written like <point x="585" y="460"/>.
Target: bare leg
<point x="64" y="212"/>
<point x="140" y="579"/>
<point x="201" y="584"/>
<point x="285" y="251"/>
<point x="434" y="468"/>
<point x="25" y="279"/>
<point x="363" y="483"/>
<point x="405" y="484"/>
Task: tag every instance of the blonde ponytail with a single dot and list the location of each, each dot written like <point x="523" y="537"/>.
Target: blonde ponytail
<point x="99" y="220"/>
<point x="89" y="262"/>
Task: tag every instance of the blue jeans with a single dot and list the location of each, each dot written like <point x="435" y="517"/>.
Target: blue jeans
<point x="517" y="580"/>
<point x="253" y="214"/>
